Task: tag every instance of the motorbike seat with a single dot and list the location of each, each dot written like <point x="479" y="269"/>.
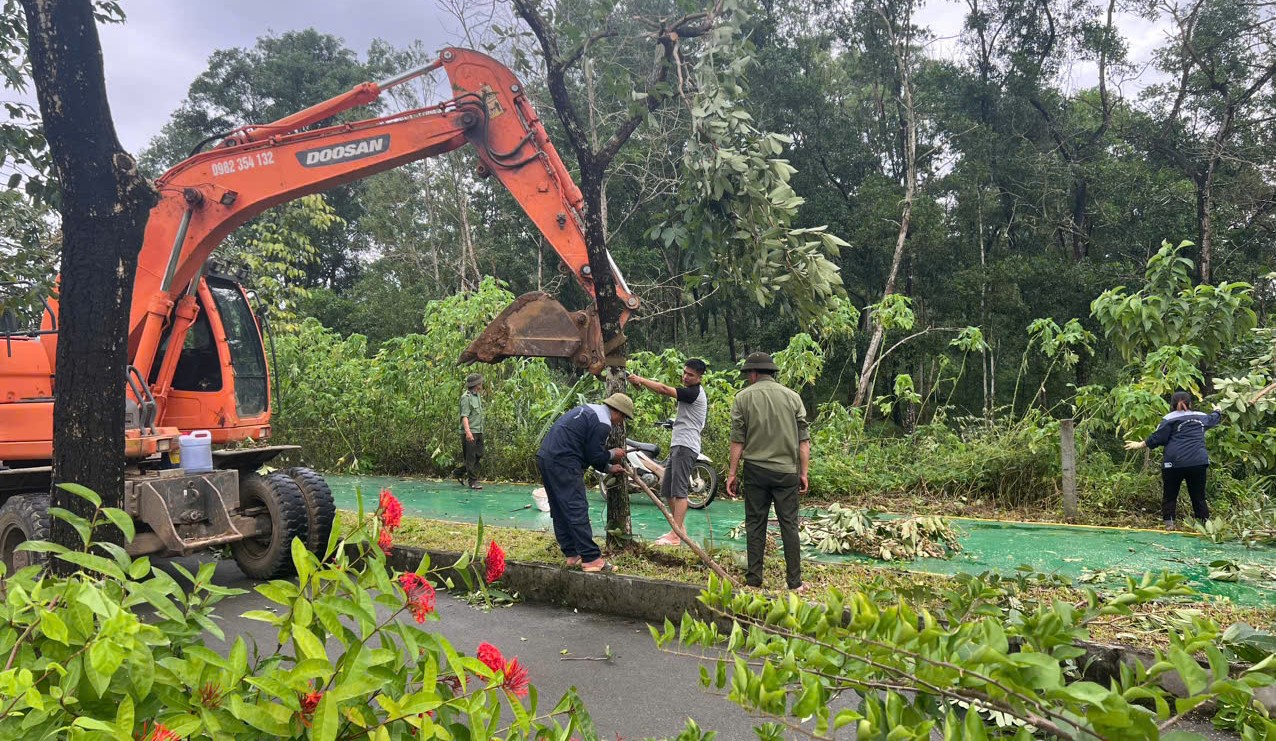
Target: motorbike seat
<point x="651" y="449"/>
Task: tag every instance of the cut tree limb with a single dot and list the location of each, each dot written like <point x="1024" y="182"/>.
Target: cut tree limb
<point x="681" y="533"/>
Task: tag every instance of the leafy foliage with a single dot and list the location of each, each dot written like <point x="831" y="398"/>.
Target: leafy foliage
<point x="1169" y="310"/>
<point x="85" y="664"/>
<point x="276" y="249"/>
<point x="736" y="208"/>
<point x="917" y="671"/>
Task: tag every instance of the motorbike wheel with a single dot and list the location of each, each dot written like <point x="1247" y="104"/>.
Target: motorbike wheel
<point x="704" y="485"/>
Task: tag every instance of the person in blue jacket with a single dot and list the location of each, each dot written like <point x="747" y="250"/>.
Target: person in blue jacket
<point x="1182" y="433"/>
<point x="579" y="439"/>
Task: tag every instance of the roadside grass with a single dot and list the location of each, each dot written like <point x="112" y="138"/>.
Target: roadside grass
<point x="1147" y="627"/>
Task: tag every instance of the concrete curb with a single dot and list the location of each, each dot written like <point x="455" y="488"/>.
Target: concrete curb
<point x="655" y="600"/>
<point x="640" y="598"/>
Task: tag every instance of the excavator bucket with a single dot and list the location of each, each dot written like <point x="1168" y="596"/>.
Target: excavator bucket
<point x="537" y="326"/>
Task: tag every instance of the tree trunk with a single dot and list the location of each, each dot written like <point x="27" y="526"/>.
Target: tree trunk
<point x="908" y="118"/>
<point x="619" y="530"/>
<point x="726" y="312"/>
<point x="1080" y="227"/>
<point x="104" y="208"/>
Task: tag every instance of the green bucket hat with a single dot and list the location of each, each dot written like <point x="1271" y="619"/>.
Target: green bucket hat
<point x="473" y="380"/>
<point x="758" y="361"/>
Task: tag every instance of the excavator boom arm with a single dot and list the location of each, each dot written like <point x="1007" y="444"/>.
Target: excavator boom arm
<point x="208" y="195"/>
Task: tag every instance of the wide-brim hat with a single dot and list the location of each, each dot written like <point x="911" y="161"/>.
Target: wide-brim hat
<point x="621" y="403"/>
<point x="473" y="380"/>
<point x="758" y="361"/>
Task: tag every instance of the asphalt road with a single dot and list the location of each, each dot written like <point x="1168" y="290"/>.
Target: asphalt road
<point x="640" y="692"/>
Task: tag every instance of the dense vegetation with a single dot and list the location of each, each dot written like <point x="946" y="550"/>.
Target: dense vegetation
<point x="999" y="211"/>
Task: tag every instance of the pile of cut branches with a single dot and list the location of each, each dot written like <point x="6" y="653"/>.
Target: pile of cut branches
<point x="843" y="530"/>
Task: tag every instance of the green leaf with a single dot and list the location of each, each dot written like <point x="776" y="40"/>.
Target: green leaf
<point x="307" y="644"/>
<point x="83" y="492"/>
<point x="94" y="563"/>
<point x="325" y="720"/>
<point x="53" y="627"/>
<point x="124" y="717"/>
<point x="80" y="524"/>
<point x="122" y="520"/>
<point x="1193" y="676"/>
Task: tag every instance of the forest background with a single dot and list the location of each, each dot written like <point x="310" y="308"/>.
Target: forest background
<point x="1011" y="250"/>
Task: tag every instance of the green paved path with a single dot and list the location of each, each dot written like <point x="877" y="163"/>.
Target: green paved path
<point x="987" y="546"/>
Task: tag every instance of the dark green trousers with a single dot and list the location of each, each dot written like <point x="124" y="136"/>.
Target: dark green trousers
<point x="762" y="488"/>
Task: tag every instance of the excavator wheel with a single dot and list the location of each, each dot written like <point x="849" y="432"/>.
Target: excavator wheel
<point x="320" y="508"/>
<point x="270" y="556"/>
<point x="23" y="517"/>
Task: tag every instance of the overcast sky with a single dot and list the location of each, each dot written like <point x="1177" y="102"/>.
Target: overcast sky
<point x="152" y="59"/>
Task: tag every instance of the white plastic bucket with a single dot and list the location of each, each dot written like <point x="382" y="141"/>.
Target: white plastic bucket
<point x="197" y="451"/>
<point x="540" y="499"/>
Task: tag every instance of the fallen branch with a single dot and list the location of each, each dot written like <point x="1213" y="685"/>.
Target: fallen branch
<point x="1263" y="392"/>
<point x="682" y="534"/>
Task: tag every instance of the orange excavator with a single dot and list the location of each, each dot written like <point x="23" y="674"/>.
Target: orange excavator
<point x="195" y="347"/>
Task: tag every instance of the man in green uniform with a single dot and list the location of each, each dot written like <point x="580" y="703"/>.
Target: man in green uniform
<point x="471" y="431"/>
<point x="769" y="433"/>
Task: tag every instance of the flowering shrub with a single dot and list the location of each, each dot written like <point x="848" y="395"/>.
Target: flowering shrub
<point x="83" y="663"/>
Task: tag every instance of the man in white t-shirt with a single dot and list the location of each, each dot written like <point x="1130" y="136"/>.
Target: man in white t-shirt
<point x="684" y="449"/>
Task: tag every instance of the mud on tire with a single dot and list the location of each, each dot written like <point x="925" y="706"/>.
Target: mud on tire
<point x="320" y="508"/>
<point x="270" y="556"/>
<point x="23" y="517"/>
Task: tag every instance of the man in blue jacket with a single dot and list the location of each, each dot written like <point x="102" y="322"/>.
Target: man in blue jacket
<point x="579" y="439"/>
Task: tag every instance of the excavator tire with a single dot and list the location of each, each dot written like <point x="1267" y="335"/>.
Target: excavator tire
<point x="320" y="508"/>
<point x="23" y="517"/>
<point x="270" y="556"/>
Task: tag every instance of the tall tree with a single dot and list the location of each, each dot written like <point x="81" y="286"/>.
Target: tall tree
<point x="104" y="207"/>
<point x="607" y="74"/>
<point x="1215" y="116"/>
<point x="892" y="27"/>
<point x="574" y="51"/>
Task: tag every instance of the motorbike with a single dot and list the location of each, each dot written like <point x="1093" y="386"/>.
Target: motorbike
<point x="646" y="462"/>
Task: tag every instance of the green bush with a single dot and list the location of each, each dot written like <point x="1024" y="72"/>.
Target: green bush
<point x="972" y="668"/>
<point x="395" y="411"/>
<point x="115" y="650"/>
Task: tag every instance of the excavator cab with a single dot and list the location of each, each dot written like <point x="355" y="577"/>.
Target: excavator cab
<point x="220" y="381"/>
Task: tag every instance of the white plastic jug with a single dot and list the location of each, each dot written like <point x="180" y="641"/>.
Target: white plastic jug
<point x="197" y="451"/>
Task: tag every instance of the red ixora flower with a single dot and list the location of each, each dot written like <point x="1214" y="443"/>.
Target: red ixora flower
<point x="391" y="511"/>
<point x="385" y="540"/>
<point x="309" y="702"/>
<point x="491" y="656"/>
<point x="495" y="562"/>
<point x="420" y="595"/>
<point x="516" y="680"/>
<point x="157" y="733"/>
